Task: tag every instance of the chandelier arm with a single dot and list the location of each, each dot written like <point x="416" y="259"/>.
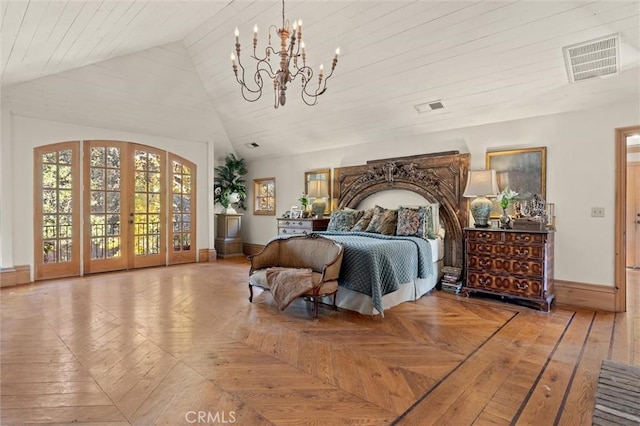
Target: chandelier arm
<point x="259" y="82"/>
<point x="268" y="49"/>
<point x="241" y="80"/>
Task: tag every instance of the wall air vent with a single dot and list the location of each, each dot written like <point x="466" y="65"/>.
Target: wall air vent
<point x="429" y="106"/>
<point x="594" y="58"/>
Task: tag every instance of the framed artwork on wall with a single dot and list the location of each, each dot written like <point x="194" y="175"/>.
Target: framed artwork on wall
<point x="522" y="170"/>
<point x="264" y="196"/>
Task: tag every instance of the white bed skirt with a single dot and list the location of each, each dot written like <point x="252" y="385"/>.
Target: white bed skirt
<point x="354" y="301"/>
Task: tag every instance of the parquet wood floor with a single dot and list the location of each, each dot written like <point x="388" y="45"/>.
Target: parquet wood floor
<point x="182" y="345"/>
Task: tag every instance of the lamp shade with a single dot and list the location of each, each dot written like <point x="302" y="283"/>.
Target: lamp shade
<point x="318" y="189"/>
<point x="481" y="183"/>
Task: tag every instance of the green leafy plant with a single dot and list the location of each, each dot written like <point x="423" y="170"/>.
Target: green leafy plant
<point x="304" y="200"/>
<point x="229" y="179"/>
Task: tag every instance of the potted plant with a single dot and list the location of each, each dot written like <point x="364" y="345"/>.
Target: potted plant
<point x="230" y="187"/>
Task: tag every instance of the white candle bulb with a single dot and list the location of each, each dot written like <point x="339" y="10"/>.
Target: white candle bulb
<point x="255" y="28"/>
<point x="337" y="51"/>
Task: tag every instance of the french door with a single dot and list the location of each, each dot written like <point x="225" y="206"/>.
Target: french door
<point x="56" y="210"/>
<point x="126" y="212"/>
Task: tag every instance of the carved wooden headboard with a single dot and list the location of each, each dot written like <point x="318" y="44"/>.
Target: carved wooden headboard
<point x="439" y="178"/>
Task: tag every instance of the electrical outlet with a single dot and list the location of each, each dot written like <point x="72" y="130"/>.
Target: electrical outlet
<point x="597" y="211"/>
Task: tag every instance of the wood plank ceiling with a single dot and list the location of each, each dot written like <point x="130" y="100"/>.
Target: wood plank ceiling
<point x="163" y="67"/>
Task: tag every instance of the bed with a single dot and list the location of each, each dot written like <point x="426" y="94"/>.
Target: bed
<point x="435" y="179"/>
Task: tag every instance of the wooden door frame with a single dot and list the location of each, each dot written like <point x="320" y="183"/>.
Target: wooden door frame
<point x="631" y="164"/>
<point x="620" y="276"/>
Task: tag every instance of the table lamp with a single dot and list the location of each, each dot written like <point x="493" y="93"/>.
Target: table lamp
<point x="481" y="184"/>
<point x="319" y="190"/>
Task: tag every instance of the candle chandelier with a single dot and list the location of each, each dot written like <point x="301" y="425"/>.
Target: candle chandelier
<point x="291" y="53"/>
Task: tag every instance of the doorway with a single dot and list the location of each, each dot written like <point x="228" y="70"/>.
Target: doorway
<point x="623" y="225"/>
<point x="131" y="204"/>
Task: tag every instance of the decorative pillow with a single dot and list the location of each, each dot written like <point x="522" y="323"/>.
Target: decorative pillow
<point x="343" y="220"/>
<point x="429" y="215"/>
<point x="383" y="221"/>
<point x="411" y="221"/>
<point x="363" y="222"/>
<point x="433" y="221"/>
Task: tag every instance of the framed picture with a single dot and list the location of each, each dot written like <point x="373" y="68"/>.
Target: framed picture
<point x="522" y="170"/>
<point x="264" y="196"/>
<point x="317" y="184"/>
<point x="296" y="213"/>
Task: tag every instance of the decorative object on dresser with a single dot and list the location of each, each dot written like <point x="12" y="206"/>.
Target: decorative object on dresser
<point x="228" y="242"/>
<point x="264" y="196"/>
<point x="319" y="191"/>
<point x="322" y="175"/>
<point x="289" y="226"/>
<point x="534" y="214"/>
<point x="514" y="264"/>
<point x="505" y="198"/>
<point x="481" y="184"/>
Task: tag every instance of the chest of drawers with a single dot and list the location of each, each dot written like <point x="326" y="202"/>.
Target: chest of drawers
<point x="514" y="264"/>
<point x="301" y="226"/>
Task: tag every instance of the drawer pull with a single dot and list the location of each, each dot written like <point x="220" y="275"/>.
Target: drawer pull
<point x="484" y="281"/>
<point x="523" y="237"/>
<point x="522" y="286"/>
<point x="300" y="223"/>
<point x="484" y="263"/>
<point x="522" y="252"/>
<point x="284" y="231"/>
<point x="522" y="266"/>
<point x="287" y="223"/>
<point x="484" y="235"/>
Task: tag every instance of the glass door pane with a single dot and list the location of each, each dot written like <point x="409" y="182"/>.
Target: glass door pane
<point x="105" y="207"/>
<point x="56" y="200"/>
<point x="147" y="212"/>
<point x="183" y="210"/>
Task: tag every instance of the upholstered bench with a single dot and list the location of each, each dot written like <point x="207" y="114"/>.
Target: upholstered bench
<point x="312" y="256"/>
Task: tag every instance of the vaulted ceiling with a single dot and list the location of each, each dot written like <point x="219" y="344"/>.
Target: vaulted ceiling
<point x="163" y="68"/>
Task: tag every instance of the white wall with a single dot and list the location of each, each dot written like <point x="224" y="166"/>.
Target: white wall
<point x="27" y="133"/>
<point x="580" y="175"/>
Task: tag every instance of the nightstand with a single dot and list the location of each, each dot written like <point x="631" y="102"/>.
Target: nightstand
<point x="512" y="263"/>
<point x="301" y="226"/>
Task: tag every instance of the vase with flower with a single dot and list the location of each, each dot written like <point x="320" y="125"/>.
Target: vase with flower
<point x="504" y="198"/>
<point x="304" y="201"/>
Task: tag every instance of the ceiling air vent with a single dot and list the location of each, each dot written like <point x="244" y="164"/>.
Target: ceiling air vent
<point x="594" y="58"/>
<point x="429" y="106"/>
<point x="251" y="145"/>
